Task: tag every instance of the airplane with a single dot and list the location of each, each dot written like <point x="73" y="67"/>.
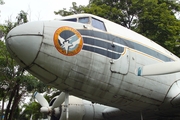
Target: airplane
<point x="94" y="59"/>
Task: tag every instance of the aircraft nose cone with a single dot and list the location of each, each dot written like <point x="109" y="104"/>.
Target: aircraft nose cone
<point x="24" y="41"/>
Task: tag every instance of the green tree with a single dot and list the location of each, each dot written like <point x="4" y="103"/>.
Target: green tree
<point x="73" y="10"/>
<point x="122" y="12"/>
<point x="32" y="109"/>
<point x="15" y="82"/>
<point x="1" y="2"/>
<point x="159" y="23"/>
<point x="21" y="18"/>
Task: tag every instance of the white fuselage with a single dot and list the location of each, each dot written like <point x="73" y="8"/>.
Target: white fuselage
<point x="102" y="75"/>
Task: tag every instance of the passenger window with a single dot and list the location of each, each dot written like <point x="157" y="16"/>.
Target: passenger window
<point x="84" y="20"/>
<point x="72" y="20"/>
<point x="98" y="24"/>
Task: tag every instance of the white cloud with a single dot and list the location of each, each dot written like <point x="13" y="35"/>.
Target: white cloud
<point x="37" y="9"/>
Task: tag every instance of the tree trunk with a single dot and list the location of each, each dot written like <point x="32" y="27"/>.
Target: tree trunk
<point x="12" y="95"/>
<point x="8" y="107"/>
<point x="15" y="103"/>
<point x="2" y="110"/>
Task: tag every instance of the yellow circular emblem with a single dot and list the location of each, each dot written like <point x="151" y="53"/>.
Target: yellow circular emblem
<point x="68" y="41"/>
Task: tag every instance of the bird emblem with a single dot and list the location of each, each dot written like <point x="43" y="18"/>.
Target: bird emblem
<point x="68" y="41"/>
<point x="69" y="44"/>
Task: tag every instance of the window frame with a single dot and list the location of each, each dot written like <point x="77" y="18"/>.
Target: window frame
<point x="70" y="19"/>
<point x="100" y="21"/>
<point x="89" y="20"/>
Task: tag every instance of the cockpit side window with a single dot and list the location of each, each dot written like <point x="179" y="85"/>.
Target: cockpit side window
<point x="98" y="24"/>
<point x="71" y="19"/>
<point x="84" y="20"/>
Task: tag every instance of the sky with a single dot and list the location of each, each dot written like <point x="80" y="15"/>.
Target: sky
<point x="36" y="9"/>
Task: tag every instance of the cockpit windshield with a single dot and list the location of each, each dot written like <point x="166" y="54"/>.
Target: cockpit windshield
<point x="96" y="23"/>
<point x="71" y="19"/>
<point x="84" y="20"/>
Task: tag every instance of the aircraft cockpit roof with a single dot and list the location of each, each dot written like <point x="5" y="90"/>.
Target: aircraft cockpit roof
<point x="95" y="21"/>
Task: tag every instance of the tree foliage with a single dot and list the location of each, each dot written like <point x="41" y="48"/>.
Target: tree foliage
<point x="15" y="82"/>
<point x="159" y="23"/>
<point x="73" y="10"/>
<point x="21" y="18"/>
<point x="32" y="109"/>
<point x="1" y="2"/>
<point x="155" y="19"/>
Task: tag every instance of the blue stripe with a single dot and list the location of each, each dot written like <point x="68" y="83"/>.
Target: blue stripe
<point x="102" y="52"/>
<point x="103" y="44"/>
<point x="130" y="44"/>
